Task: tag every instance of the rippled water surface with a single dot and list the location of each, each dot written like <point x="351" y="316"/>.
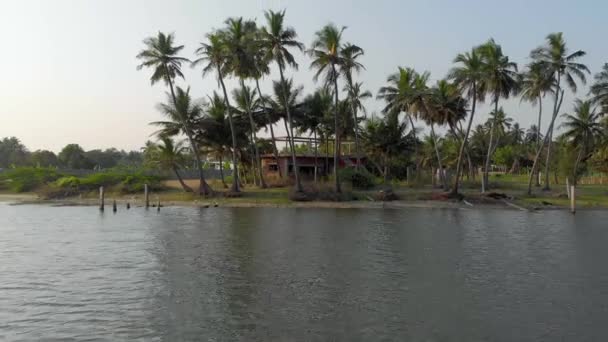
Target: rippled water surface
<point x="218" y="274"/>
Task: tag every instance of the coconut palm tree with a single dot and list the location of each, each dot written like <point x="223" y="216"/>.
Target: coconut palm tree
<point x="356" y="96"/>
<point x="161" y="55"/>
<point x="350" y="53"/>
<point x="397" y="96"/>
<point x="583" y="131"/>
<point x="247" y="102"/>
<point x="501" y="80"/>
<point x="599" y="89"/>
<point x="469" y="77"/>
<point x="535" y="83"/>
<point x="276" y="39"/>
<point x="169" y="155"/>
<point x="555" y="59"/>
<point x="182" y="116"/>
<point x="315" y="108"/>
<point x="327" y="58"/>
<point x="213" y="54"/>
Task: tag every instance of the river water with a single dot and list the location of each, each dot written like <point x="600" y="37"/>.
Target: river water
<point x="220" y="274"/>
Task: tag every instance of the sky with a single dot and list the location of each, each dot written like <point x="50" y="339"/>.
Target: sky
<point x="68" y="67"/>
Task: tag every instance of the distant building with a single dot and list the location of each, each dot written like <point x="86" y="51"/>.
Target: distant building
<point x="306" y="164"/>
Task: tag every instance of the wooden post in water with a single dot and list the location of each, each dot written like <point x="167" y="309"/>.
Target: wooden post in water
<point x="158" y="206"/>
<point x="573" y="199"/>
<point x="128" y="206"/>
<point x="146" y="196"/>
<point x="114" y="208"/>
<point x="101" y="198"/>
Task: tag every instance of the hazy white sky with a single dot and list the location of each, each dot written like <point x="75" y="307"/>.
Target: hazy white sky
<point x="68" y="67"/>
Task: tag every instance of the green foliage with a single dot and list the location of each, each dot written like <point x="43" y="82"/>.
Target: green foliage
<point x="121" y="181"/>
<point x="68" y="182"/>
<point x="360" y="179"/>
<point x="23" y="179"/>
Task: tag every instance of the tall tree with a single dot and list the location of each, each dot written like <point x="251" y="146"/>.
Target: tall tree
<point x="214" y="55"/>
<point x="277" y="39"/>
<point x="583" y="131"/>
<point x="555" y="59"/>
<point x="240" y="39"/>
<point x="161" y="55"/>
<point x="535" y="83"/>
<point x="316" y="108"/>
<point x="468" y="75"/>
<point x="501" y="81"/>
<point x="350" y="54"/>
<point x="325" y="51"/>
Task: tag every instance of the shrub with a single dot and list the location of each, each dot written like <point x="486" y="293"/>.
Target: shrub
<point x="23" y="179"/>
<point x="68" y="182"/>
<point x="360" y="179"/>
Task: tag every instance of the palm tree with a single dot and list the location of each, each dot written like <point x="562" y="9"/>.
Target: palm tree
<point x="240" y="39"/>
<point x="169" y="155"/>
<point x="213" y="54"/>
<point x="469" y="76"/>
<point x="350" y="53"/>
<point x="397" y="96"/>
<point x="501" y="80"/>
<point x="355" y="97"/>
<point x="161" y="55"/>
<point x="316" y="107"/>
<point x="535" y="83"/>
<point x="276" y="40"/>
<point x="555" y="60"/>
<point x="599" y="89"/>
<point x="583" y="130"/>
<point x="500" y="124"/>
<point x="247" y="102"/>
<point x="325" y="51"/>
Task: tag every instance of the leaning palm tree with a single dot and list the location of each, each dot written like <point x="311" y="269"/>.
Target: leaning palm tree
<point x="501" y="81"/>
<point x="469" y="76"/>
<point x="276" y="39"/>
<point x="161" y="55"/>
<point x="356" y="96"/>
<point x="182" y="115"/>
<point x="350" y="53"/>
<point x="325" y="51"/>
<point x="599" y="89"/>
<point x="170" y="155"/>
<point x="583" y="131"/>
<point x="555" y="60"/>
<point x="213" y="54"/>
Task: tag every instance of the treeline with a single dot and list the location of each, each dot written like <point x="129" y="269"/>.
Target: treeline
<point x="227" y="123"/>
<point x="14" y="154"/>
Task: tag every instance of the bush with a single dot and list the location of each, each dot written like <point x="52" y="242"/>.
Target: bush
<point x="68" y="182"/>
<point x="324" y="192"/>
<point x="23" y="179"/>
<point x="360" y="179"/>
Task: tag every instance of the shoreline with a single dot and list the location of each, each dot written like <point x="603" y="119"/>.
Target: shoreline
<point x="25" y="199"/>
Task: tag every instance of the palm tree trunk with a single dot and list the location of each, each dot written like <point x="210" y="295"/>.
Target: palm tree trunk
<point x="441" y="170"/>
<point x="575" y="171"/>
<point x="203" y="188"/>
<point x="415" y="142"/>
<point x="560" y="94"/>
<point x="316" y="153"/>
<point x="222" y="172"/>
<point x="181" y="181"/>
<point x="274" y="141"/>
<point x="326" y="154"/>
<point x="540" y="114"/>
<point x="235" y="178"/>
<point x="289" y="118"/>
<point x="550" y="132"/>
<point x="464" y="142"/>
<point x="337" y="131"/>
<point x="356" y="129"/>
<point x="486" y="170"/>
<point x="256" y="150"/>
